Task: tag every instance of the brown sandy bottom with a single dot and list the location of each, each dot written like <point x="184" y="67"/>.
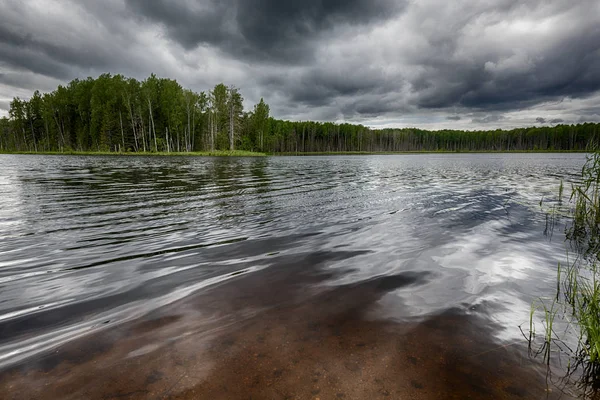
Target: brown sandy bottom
<point x="278" y="334"/>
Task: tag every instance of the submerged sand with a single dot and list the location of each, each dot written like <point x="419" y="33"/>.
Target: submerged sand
<point x="280" y="333"/>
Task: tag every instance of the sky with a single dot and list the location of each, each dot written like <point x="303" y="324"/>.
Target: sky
<point x="432" y="64"/>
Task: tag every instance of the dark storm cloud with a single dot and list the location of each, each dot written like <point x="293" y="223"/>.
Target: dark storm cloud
<point x="459" y="67"/>
<point x="514" y="73"/>
<point x="23" y="51"/>
<point x="540" y="120"/>
<point x="188" y="23"/>
<point x="557" y="121"/>
<point x="571" y="68"/>
<point x="356" y="60"/>
<point x="374" y="106"/>
<point x="33" y="42"/>
<point x="268" y="30"/>
<point x="318" y="86"/>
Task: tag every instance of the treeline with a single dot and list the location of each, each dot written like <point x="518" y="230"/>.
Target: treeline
<point x="114" y="113"/>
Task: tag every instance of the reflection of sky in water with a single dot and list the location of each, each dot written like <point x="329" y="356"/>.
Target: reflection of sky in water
<point x="480" y="265"/>
<point x="11" y="217"/>
<point x="92" y="238"/>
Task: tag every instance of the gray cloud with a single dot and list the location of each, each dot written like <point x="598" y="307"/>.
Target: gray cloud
<point x="5" y="105"/>
<point x="557" y="121"/>
<point x="370" y="61"/>
<point x="511" y="59"/>
<point x="267" y="30"/>
<point x="68" y="43"/>
<point x="489" y="119"/>
<point x="540" y="120"/>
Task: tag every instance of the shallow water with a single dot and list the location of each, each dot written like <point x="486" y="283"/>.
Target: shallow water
<point x="135" y="277"/>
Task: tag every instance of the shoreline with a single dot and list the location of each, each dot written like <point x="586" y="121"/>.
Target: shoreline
<point x="216" y="153"/>
<point x="350" y="153"/>
<point x="243" y="153"/>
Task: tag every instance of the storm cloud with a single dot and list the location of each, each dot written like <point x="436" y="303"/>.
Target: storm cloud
<point x="276" y="31"/>
<point x="462" y="64"/>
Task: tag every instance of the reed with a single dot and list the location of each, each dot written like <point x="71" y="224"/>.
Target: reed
<point x="578" y="281"/>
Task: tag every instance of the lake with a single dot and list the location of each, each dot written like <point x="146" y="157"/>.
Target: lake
<point x="276" y="277"/>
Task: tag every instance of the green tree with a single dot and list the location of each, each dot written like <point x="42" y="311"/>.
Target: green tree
<point x="235" y="108"/>
<point x="260" y="120"/>
<point x="115" y="113"/>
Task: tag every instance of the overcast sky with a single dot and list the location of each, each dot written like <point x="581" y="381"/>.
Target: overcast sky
<point x="463" y="64"/>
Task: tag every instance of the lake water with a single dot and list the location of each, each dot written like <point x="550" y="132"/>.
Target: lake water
<point x="276" y="277"/>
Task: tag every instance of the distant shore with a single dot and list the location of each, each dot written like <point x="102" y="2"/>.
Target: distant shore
<point x="216" y="153"/>
<point x="243" y="153"/>
<point x="366" y="153"/>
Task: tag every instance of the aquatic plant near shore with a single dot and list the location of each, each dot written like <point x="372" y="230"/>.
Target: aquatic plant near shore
<point x="582" y="285"/>
<point x="578" y="284"/>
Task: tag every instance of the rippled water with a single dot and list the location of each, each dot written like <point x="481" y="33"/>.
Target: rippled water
<point x="88" y="243"/>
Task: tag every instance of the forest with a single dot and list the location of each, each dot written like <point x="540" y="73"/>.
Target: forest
<point x="113" y="113"/>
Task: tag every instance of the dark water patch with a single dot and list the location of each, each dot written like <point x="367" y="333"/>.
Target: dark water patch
<point x="392" y="282"/>
<point x="238" y="272"/>
<point x="160" y="252"/>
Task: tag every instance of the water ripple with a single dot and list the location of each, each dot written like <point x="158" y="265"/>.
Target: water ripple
<point x="87" y="240"/>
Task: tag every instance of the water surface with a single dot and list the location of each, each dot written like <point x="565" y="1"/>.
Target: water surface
<point x="347" y="277"/>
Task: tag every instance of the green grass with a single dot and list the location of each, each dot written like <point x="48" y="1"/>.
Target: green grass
<point x="216" y="153"/>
